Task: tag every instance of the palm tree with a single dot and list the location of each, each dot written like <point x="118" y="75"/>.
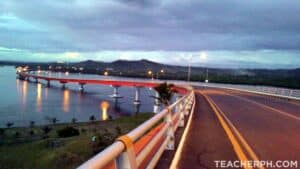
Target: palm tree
<point x="54" y="120"/>
<point x="92" y="118"/>
<point x="166" y="92"/>
<point x="32" y="123"/>
<point x="74" y="120"/>
<point x="9" y="124"/>
<point x="46" y="130"/>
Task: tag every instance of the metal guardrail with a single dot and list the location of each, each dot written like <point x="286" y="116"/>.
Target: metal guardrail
<point x="143" y="146"/>
<point x="292" y="94"/>
<point x="268" y="91"/>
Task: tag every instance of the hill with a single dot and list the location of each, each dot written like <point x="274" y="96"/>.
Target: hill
<point x="273" y="77"/>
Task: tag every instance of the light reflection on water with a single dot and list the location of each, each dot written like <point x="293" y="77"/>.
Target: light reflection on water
<point x="24" y="92"/>
<point x="39" y="97"/>
<point x="104" y="107"/>
<point x="22" y="101"/>
<point x="66" y="101"/>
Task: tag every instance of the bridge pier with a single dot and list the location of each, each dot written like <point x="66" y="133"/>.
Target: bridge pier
<point x="63" y="85"/>
<point x="157" y="103"/>
<point x="81" y="88"/>
<point x="116" y="96"/>
<point x="137" y="102"/>
<point x="116" y="92"/>
<point x="48" y="83"/>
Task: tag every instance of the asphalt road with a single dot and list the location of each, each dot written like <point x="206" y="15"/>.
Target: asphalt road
<point x="238" y="125"/>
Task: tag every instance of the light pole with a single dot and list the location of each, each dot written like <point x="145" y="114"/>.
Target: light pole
<point x="189" y="68"/>
<point x="203" y="56"/>
<point x="150" y="73"/>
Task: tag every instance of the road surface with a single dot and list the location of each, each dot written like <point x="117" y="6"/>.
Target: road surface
<point x="231" y="125"/>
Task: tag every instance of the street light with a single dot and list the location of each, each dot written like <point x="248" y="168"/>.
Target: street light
<point x="150" y="73"/>
<point x="106" y="73"/>
<point x="189" y="68"/>
<point x="203" y="56"/>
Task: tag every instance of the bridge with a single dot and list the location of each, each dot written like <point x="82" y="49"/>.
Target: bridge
<point x="207" y="125"/>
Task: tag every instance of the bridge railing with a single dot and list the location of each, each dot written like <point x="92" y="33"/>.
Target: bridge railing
<point x="143" y="146"/>
<point x="291" y="94"/>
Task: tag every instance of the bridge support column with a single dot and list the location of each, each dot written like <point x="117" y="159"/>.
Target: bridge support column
<point x="116" y="96"/>
<point x="81" y="88"/>
<point x="157" y="103"/>
<point x="63" y="85"/>
<point x="48" y="83"/>
<point x="115" y="92"/>
<point x="137" y="101"/>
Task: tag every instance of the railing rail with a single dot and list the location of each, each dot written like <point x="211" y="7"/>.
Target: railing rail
<point x="160" y="128"/>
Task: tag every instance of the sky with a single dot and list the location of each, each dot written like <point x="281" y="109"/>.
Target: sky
<point x="231" y="33"/>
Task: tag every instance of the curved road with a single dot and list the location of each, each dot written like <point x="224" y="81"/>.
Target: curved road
<point x="249" y="126"/>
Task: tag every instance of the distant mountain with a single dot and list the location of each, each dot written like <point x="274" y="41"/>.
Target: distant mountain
<point x="139" y="68"/>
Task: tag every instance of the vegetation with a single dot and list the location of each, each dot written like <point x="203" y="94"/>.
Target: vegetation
<point x="51" y="152"/>
<point x="166" y="92"/>
<point x="68" y="132"/>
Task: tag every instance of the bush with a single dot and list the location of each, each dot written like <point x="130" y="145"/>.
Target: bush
<point x="46" y="129"/>
<point x="2" y="131"/>
<point x="68" y="132"/>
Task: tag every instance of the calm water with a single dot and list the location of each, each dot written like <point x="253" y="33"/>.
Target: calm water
<point x="22" y="101"/>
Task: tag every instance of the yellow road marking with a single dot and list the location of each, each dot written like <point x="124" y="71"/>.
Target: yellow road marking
<point x="240" y="137"/>
<point x="236" y="146"/>
<point x="268" y="107"/>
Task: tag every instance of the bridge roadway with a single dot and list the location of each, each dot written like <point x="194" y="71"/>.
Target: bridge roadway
<point x="232" y="125"/>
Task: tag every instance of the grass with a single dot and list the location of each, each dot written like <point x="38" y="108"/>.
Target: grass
<point x="37" y="152"/>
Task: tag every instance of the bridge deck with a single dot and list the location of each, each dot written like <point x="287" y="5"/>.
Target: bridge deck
<point x="265" y="128"/>
<point x="206" y="140"/>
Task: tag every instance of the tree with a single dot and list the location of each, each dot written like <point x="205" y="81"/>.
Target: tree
<point x="74" y="120"/>
<point x="32" y="124"/>
<point x="166" y="92"/>
<point x="52" y="120"/>
<point x="9" y="124"/>
<point x="92" y="118"/>
<point x="46" y="130"/>
<point x="2" y="131"/>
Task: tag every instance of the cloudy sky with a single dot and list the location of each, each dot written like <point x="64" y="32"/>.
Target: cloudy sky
<point x="235" y="33"/>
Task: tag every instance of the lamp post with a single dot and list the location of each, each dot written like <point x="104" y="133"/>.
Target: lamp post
<point x="159" y="73"/>
<point x="150" y="73"/>
<point x="189" y="68"/>
<point x="203" y="56"/>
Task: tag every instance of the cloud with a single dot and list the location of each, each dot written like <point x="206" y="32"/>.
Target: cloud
<point x="91" y="25"/>
<point x="233" y="33"/>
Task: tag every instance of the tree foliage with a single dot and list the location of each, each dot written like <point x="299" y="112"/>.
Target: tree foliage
<point x="166" y="92"/>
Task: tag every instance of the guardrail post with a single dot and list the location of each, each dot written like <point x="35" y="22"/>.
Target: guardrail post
<point x="170" y="131"/>
<point x="181" y="115"/>
<point x="127" y="160"/>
